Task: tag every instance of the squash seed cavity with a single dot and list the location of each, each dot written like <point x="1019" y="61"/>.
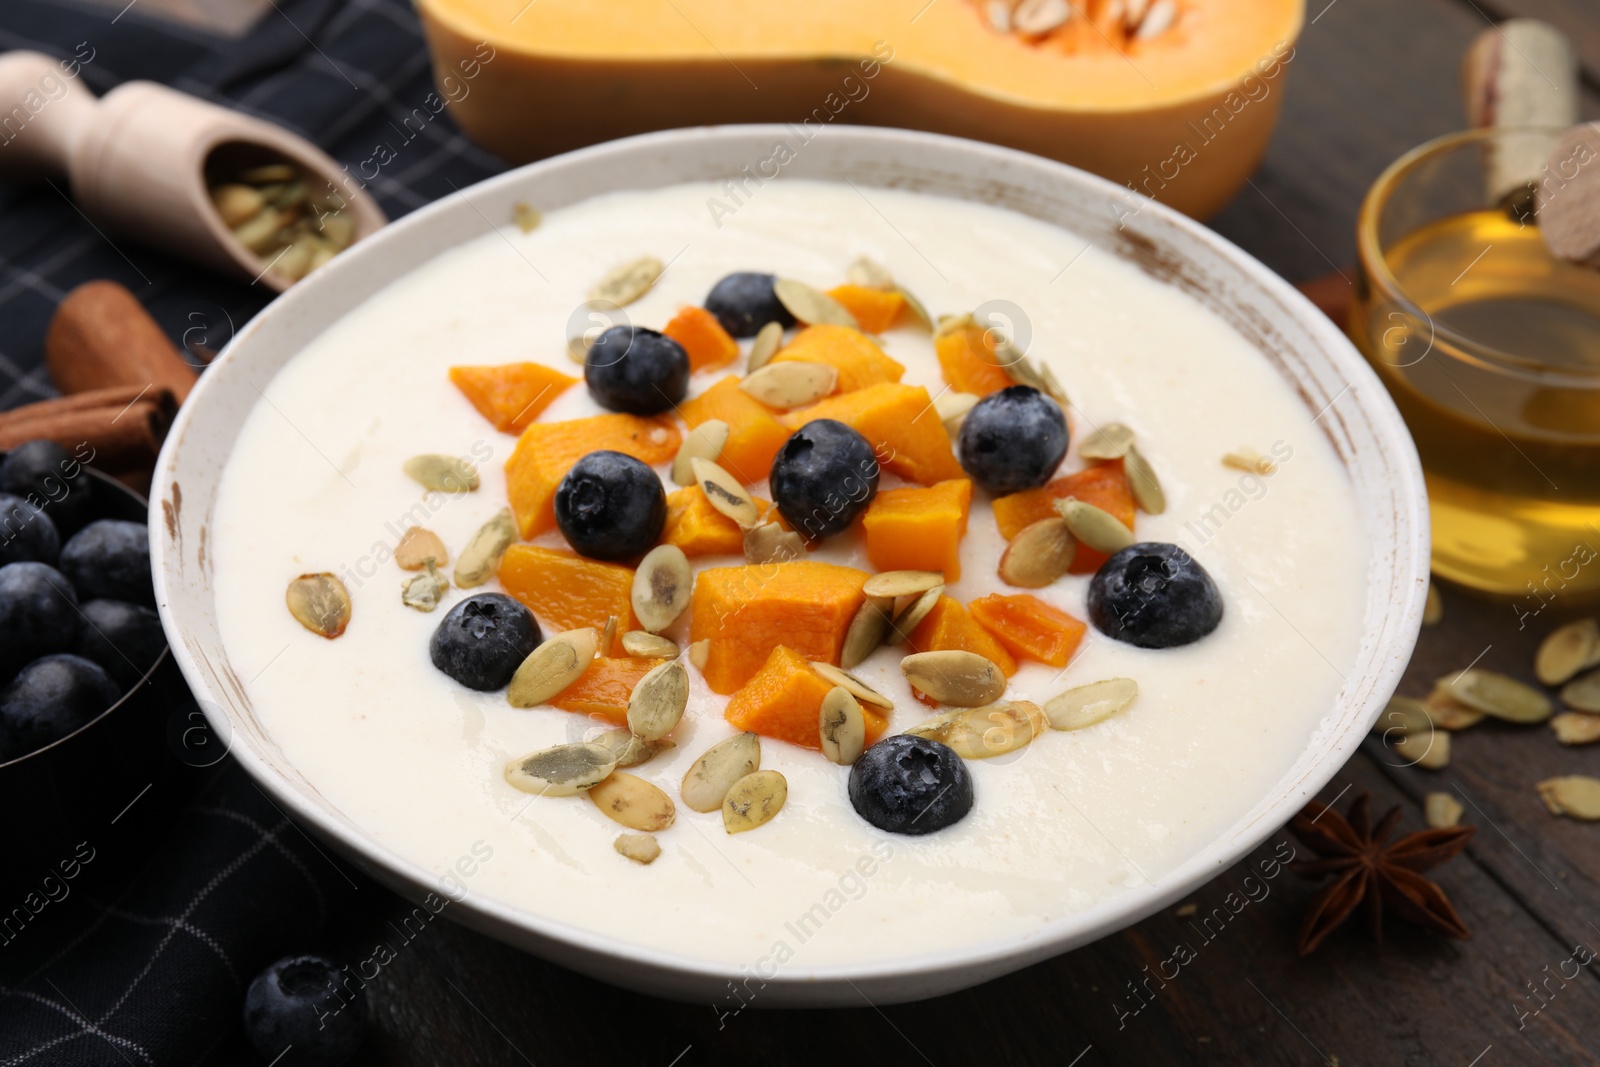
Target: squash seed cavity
<point x="1039" y="554"/>
<point x="812" y="306"/>
<point x="705" y="441"/>
<point x="646" y="645"/>
<point x="633" y="802"/>
<point x="661" y="587"/>
<point x="481" y="558"/>
<point x="552" y="667"/>
<point x="640" y="848"/>
<point x="624" y="284"/>
<point x="753" y="801"/>
<point x="441" y="473"/>
<point x="1095" y="527"/>
<point x="982" y="733"/>
<point x="843" y="726"/>
<point x="1086" y="705"/>
<point x="1574" y="647"/>
<point x="424" y="591"/>
<point x="709" y="778"/>
<point x="768" y="340"/>
<point x="561" y="771"/>
<point x="320" y="603"/>
<point x="658" y="701"/>
<point x="955" y="677"/>
<point x="790" y="385"/>
<point x="850" y="683"/>
<point x="418" y="547"/>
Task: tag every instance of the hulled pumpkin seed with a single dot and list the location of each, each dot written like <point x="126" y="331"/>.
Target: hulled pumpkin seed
<point x="563" y="770"/>
<point x="724" y="493"/>
<point x="1583" y="693"/>
<point x="633" y="802"/>
<point x="1095" y="527"/>
<point x="699" y="652"/>
<point x="1403" y="715"/>
<point x="424" y="591"/>
<point x="849" y="682"/>
<point x="705" y="441"/>
<point x="1430" y="750"/>
<point x="955" y="677"/>
<point x="1575" y="795"/>
<point x="658" y="701"/>
<point x="790" y="384"/>
<point x="843" y="726"/>
<point x="1109" y="442"/>
<point x="753" y="801"/>
<point x="526" y="216"/>
<point x="1250" y="460"/>
<point x="1143" y="483"/>
<point x="320" y="603"/>
<point x="1574" y="647"/>
<point x="1086" y="705"/>
<point x="481" y="558"/>
<point x="661" y="587"/>
<point x="910" y="618"/>
<point x="646" y="645"/>
<point x="768" y="340"/>
<point x="417" y="546"/>
<point x="867" y="631"/>
<point x="771" y="543"/>
<point x="918" y="310"/>
<point x="1448" y="713"/>
<point x="811" y="306"/>
<point x="1441" y="810"/>
<point x="1497" y="695"/>
<point x="630" y="750"/>
<point x="869" y="273"/>
<point x="901" y="583"/>
<point x="952" y="410"/>
<point x="1039" y="554"/>
<point x="624" y="284"/>
<point x="551" y="667"/>
<point x="444" y="474"/>
<point x="640" y="848"/>
<point x="709" y="778"/>
<point x="981" y="733"/>
<point x="1432" y="607"/>
<point x="578" y="350"/>
<point x="1576" y="727"/>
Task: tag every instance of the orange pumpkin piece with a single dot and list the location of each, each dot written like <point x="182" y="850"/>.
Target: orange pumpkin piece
<point x="754" y="435"/>
<point x="746" y="612"/>
<point x="511" y="395"/>
<point x="547" y="450"/>
<point x="970" y="365"/>
<point x="857" y="358"/>
<point x="899" y="422"/>
<point x="567" y="591"/>
<point x="702" y="336"/>
<point x="919" y="529"/>
<point x="784" y="700"/>
<point x="875" y="309"/>
<point x="951" y="626"/>
<point x="604" y="688"/>
<point x="700" y="529"/>
<point x="1029" y="627"/>
<point x="1104" y="485"/>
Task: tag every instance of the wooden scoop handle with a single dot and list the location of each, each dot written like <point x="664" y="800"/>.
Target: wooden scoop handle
<point x="45" y="112"/>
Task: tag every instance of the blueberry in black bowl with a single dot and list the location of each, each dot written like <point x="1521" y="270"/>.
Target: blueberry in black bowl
<point x="110" y="559"/>
<point x="124" y="639"/>
<point x="26" y="532"/>
<point x="1012" y="440"/>
<point x="1154" y="595"/>
<point x="50" y="698"/>
<point x="823" y="477"/>
<point x="744" y="301"/>
<point x="44" y="473"/>
<point x="38" y="615"/>
<point x="611" y="506"/>
<point x="483" y="640"/>
<point x="636" y="370"/>
<point x="907" y="784"/>
<point x="307" y="1006"/>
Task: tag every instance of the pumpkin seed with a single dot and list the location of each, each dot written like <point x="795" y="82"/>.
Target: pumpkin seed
<point x="1250" y="460"/>
<point x="624" y="284"/>
<point x="981" y="733"/>
<point x="417" y="547"/>
<point x="1497" y="695"/>
<point x="867" y="631"/>
<point x="1430" y="750"/>
<point x="843" y="726"/>
<point x="952" y="410"/>
<point x="753" y="801"/>
<point x="646" y="645"/>
<point x="633" y="802"/>
<point x="1583" y="693"/>
<point x="1039" y="554"/>
<point x="912" y="616"/>
<point x="1448" y="713"/>
<point x="551" y="667"/>
<point x="424" y="591"/>
<point x="1143" y="483"/>
<point x="1574" y="647"/>
<point x="771" y="543"/>
<point x="563" y="770"/>
<point x="320" y="603"/>
<point x="1405" y="716"/>
<point x="640" y="848"/>
<point x="630" y="750"/>
<point x="269" y="174"/>
<point x="1432" y="607"/>
<point x="1576" y="727"/>
<point x="260" y="234"/>
<point x="481" y="558"/>
<point x="661" y="587"/>
<point x="811" y="306"/>
<point x="699" y="652"/>
<point x="768" y="340"/>
<point x="578" y="350"/>
<point x="709" y="778"/>
<point x="526" y="216"/>
<point x="724" y="493"/>
<point x="901" y="583"/>
<point x="1575" y="795"/>
<point x="1037" y="375"/>
<point x="444" y="474"/>
<point x="1038" y="17"/>
<point x="1109" y="442"/>
<point x="1095" y="527"/>
<point x="1086" y="705"/>
<point x="1441" y="810"/>
<point x="918" y="310"/>
<point x="608" y="636"/>
<point x="869" y="273"/>
<point x="659" y="700"/>
<point x="955" y="677"/>
<point x="705" y="441"/>
<point x="790" y="384"/>
<point x="849" y="682"/>
<point x="237" y="204"/>
<point x="949" y="324"/>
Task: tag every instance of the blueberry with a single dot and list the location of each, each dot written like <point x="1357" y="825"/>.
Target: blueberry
<point x="1013" y="440"/>
<point x="633" y="369"/>
<point x="483" y="640"/>
<point x="26" y="532"/>
<point x="110" y="559"/>
<point x="44" y="473"/>
<point x="823" y="477"/>
<point x="125" y="639"/>
<point x="38" y="615"/>
<point x="907" y="784"/>
<point x="611" y="506"/>
<point x="1154" y="595"/>
<point x="305" y="1004"/>
<point x="49" y="699"/>
<point x="744" y="302"/>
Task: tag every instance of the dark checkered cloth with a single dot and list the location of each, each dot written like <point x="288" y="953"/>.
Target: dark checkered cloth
<point x="151" y="968"/>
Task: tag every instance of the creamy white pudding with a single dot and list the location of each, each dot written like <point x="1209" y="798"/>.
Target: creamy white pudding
<point x="1069" y="822"/>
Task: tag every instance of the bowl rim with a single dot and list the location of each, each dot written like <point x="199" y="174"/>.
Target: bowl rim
<point x="658" y="968"/>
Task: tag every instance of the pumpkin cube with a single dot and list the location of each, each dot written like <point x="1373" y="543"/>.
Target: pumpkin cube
<point x="1104" y="485"/>
<point x="512" y="395"/>
<point x="700" y="529"/>
<point x="746" y="612"/>
<point x="603" y="690"/>
<point x="951" y="626"/>
<point x="967" y="358"/>
<point x="900" y="423"/>
<point x="754" y="435"/>
<point x="709" y="346"/>
<point x="1029" y="627"/>
<point x="859" y="361"/>
<point x="546" y="451"/>
<point x="919" y="529"/>
<point x="784" y="700"/>
<point x="875" y="309"/>
<point x="566" y="591"/>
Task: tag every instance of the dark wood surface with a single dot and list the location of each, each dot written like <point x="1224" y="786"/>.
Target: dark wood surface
<point x="1370" y="79"/>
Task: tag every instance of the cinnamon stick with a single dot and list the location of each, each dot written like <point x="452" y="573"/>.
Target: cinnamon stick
<point x="102" y="336"/>
<point x="124" y="425"/>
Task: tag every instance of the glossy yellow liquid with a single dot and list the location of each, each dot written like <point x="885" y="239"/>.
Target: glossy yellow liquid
<point x="1509" y="440"/>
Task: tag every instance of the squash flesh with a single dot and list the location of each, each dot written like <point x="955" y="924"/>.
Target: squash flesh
<point x="853" y="354"/>
<point x="876" y="310"/>
<point x="700" y="529"/>
<point x="1104" y="485"/>
<point x="754" y="435"/>
<point x="512" y="395"/>
<point x="968" y="361"/>
<point x="914" y="529"/>
<point x="950" y="626"/>
<point x="900" y="423"/>
<point x="784" y="701"/>
<point x="1029" y="628"/>
<point x="566" y="591"/>
<point x="708" y="345"/>
<point x="604" y="688"/>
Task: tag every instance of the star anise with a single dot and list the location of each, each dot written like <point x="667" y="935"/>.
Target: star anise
<point x="1367" y="868"/>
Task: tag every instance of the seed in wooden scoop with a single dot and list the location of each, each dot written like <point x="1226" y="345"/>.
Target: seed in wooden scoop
<point x="1575" y="795"/>
<point x="709" y="778"/>
<point x="919" y="310"/>
<point x="955" y="677"/>
<point x="901" y="583"/>
<point x="269" y="174"/>
<point x="1495" y="694"/>
<point x="417" y="546"/>
<point x="1441" y="810"/>
<point x="624" y="284"/>
<point x="237" y="204"/>
<point x="699" y="652"/>
<point x="753" y="801"/>
<point x="633" y="802"/>
<point x="630" y="750"/>
<point x="771" y="543"/>
<point x="843" y="726"/>
<point x="912" y="616"/>
<point x="867" y="631"/>
<point x="1432" y="607"/>
<point x="424" y="591"/>
<point x="768" y="340"/>
<point x="320" y="603"/>
<point x="705" y="441"/>
<point x="563" y="770"/>
<point x="790" y="385"/>
<point x="640" y="848"/>
<point x="661" y="587"/>
<point x="1583" y="693"/>
<point x="1403" y="715"/>
<point x="1086" y="705"/>
<point x="982" y="733"/>
<point x="552" y="667"/>
<point x="646" y="645"/>
<point x="849" y="682"/>
<point x="1574" y="647"/>
<point x="1250" y="460"/>
<point x="1430" y="749"/>
<point x="1576" y="727"/>
<point x="1143" y="483"/>
<point x="659" y="700"/>
<point x="1039" y="554"/>
<point x="952" y="409"/>
<point x="444" y="474"/>
<point x="1099" y="529"/>
<point x="869" y="274"/>
<point x="260" y="234"/>
<point x="811" y="306"/>
<point x="1109" y="442"/>
<point x="526" y="216"/>
<point x="481" y="558"/>
<point x="724" y="493"/>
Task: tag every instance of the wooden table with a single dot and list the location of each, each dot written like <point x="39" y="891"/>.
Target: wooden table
<point x="1369" y="79"/>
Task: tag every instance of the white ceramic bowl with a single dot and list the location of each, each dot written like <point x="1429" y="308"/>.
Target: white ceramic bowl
<point x="1335" y="385"/>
